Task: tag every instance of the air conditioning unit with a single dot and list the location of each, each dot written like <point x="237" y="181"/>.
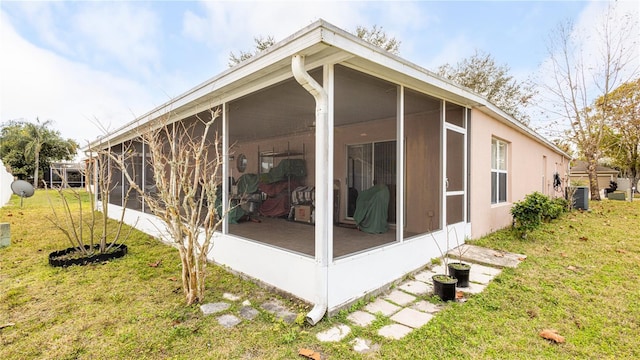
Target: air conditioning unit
<point x="580" y="198"/>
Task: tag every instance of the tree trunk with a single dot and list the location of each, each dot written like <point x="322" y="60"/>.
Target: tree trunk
<point x="37" y="165"/>
<point x="593" y="179"/>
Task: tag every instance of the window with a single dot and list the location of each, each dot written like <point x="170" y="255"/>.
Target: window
<point x="498" y="171"/>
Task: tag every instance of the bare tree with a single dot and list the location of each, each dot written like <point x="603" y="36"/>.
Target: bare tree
<point x="186" y="160"/>
<point x="584" y="69"/>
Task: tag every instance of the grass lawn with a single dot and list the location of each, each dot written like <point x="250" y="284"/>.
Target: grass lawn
<point x="581" y="278"/>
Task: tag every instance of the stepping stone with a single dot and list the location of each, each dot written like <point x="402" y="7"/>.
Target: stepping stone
<point x="416" y="287"/>
<point x="394" y="331"/>
<point x="361" y="318"/>
<point x="486" y="270"/>
<point x="230" y="297"/>
<point x="276" y="308"/>
<point x="228" y="321"/>
<point x="363" y="346"/>
<point x="400" y="297"/>
<point x="412" y="318"/>
<point x="424" y="276"/>
<point x="381" y="306"/>
<point x="427" y="307"/>
<point x="248" y="312"/>
<point x="438" y="269"/>
<point x="480" y="255"/>
<point x="212" y="308"/>
<point x="476" y="277"/>
<point x="473" y="288"/>
<point x="334" y="334"/>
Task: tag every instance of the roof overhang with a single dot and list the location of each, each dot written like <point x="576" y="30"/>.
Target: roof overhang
<point x="320" y="43"/>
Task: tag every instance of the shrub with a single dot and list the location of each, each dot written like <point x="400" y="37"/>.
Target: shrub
<point x="529" y="213"/>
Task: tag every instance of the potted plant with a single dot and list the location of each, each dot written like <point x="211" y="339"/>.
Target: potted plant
<point x="459" y="270"/>
<point x="444" y="285"/>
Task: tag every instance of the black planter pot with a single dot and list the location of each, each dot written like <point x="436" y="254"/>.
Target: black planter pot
<point x="460" y="271"/>
<point x="444" y="287"/>
<point x="58" y="259"/>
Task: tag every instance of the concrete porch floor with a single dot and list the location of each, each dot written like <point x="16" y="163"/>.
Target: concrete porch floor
<point x="299" y="237"/>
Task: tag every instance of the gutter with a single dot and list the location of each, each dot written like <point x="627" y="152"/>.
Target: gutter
<point x="322" y="209"/>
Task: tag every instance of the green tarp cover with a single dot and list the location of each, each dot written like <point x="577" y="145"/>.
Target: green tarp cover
<point x="286" y="167"/>
<point x="234" y="213"/>
<point x="372" y="208"/>
<point x="247" y="184"/>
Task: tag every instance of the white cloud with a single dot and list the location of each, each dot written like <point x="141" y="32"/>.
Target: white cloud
<point x="39" y="83"/>
<point x="128" y="34"/>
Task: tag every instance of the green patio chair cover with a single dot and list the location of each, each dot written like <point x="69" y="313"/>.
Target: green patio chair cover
<point x="372" y="208"/>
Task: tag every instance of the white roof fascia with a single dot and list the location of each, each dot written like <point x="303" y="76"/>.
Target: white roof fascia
<point x="300" y="43"/>
<point x="390" y="61"/>
<point x="496" y="112"/>
<point x="308" y="41"/>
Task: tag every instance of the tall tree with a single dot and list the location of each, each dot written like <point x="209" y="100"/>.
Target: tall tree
<point x="261" y="44"/>
<point x="377" y="37"/>
<point x="623" y="125"/>
<point x="584" y="69"/>
<point x="374" y="35"/>
<point x="38" y="134"/>
<point x="480" y="73"/>
<point x="29" y="148"/>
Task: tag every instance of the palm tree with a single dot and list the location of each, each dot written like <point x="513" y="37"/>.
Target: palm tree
<point x="38" y="135"/>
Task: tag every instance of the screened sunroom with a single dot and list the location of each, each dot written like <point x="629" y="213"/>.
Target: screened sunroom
<point x="346" y="165"/>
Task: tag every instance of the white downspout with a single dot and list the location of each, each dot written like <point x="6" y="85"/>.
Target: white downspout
<point x="322" y="192"/>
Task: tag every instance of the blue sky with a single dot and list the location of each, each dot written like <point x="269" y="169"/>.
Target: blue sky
<point x="82" y="63"/>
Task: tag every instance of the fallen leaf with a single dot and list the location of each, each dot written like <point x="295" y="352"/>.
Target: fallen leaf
<point x="522" y="259"/>
<point x="459" y="295"/>
<point x="621" y="251"/>
<point x="172" y="278"/>
<point x="498" y="254"/>
<point x="584" y="238"/>
<point x="155" y="264"/>
<point x="572" y="268"/>
<point x="563" y="254"/>
<point x="552" y="335"/>
<point x="546" y="249"/>
<point x="309" y="354"/>
<point x="532" y="313"/>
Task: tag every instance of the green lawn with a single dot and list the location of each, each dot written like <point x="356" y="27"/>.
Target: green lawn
<point x="581" y="277"/>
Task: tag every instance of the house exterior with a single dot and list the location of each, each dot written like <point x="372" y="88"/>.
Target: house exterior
<point x="580" y="175"/>
<point x="364" y="162"/>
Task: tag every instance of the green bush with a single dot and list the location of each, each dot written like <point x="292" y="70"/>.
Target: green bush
<point x="529" y="213"/>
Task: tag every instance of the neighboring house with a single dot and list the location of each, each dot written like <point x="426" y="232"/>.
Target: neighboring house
<point x="65" y="174"/>
<point x="580" y="176"/>
<point x="350" y="132"/>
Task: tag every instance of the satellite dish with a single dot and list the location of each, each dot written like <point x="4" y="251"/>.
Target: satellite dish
<point x="22" y="189"/>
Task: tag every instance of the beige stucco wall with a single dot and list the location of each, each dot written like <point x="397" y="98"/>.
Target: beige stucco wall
<point x="530" y="167"/>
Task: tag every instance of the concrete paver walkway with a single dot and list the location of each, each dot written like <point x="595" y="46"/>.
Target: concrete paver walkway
<point x="404" y="306"/>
